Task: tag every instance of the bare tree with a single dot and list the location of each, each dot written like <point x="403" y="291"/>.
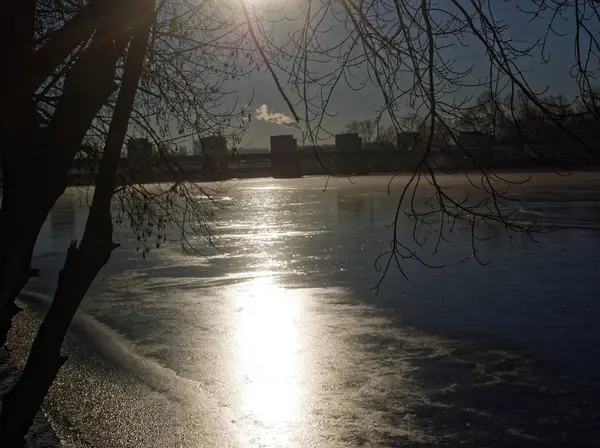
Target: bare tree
<point x="481" y="117"/>
<point x="366" y="129"/>
<point x="104" y="72"/>
<point x="417" y="56"/>
<point x="74" y="99"/>
<point x="386" y="135"/>
<point x="83" y="262"/>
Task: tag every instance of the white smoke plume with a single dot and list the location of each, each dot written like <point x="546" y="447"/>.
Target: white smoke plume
<point x="262" y="113"/>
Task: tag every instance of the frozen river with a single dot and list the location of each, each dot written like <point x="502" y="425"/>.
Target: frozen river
<point x="278" y="340"/>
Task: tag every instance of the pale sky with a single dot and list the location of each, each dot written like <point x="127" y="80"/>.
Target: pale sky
<point x="350" y="105"/>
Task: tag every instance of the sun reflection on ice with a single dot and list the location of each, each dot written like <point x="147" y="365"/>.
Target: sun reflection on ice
<point x="269" y="359"/>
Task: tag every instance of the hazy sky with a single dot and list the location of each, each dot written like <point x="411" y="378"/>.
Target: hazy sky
<point x="350" y="105"/>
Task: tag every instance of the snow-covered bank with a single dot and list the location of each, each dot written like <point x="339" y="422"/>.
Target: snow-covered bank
<point x="41" y="434"/>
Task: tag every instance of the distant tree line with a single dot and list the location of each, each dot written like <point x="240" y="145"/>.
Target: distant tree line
<point x="519" y="120"/>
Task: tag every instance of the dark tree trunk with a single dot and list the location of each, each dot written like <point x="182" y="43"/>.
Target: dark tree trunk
<point x="19" y="229"/>
<point x="16" y="89"/>
<point x="22" y="403"/>
<point x="16" y="114"/>
<point x="30" y="191"/>
<point x="82" y="265"/>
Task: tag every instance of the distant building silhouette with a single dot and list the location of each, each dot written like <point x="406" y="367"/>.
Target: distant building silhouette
<point x="211" y="158"/>
<point x="351" y="159"/>
<point x="285" y="161"/>
<point x="348" y="142"/>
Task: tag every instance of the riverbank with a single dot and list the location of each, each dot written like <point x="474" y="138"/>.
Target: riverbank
<point x="41" y="434"/>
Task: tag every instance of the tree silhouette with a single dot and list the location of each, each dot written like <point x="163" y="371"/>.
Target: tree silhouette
<point x="457" y="65"/>
<point x="366" y="129"/>
<point x="103" y="71"/>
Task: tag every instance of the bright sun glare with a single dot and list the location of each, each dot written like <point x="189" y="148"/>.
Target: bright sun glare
<point x="269" y="359"/>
